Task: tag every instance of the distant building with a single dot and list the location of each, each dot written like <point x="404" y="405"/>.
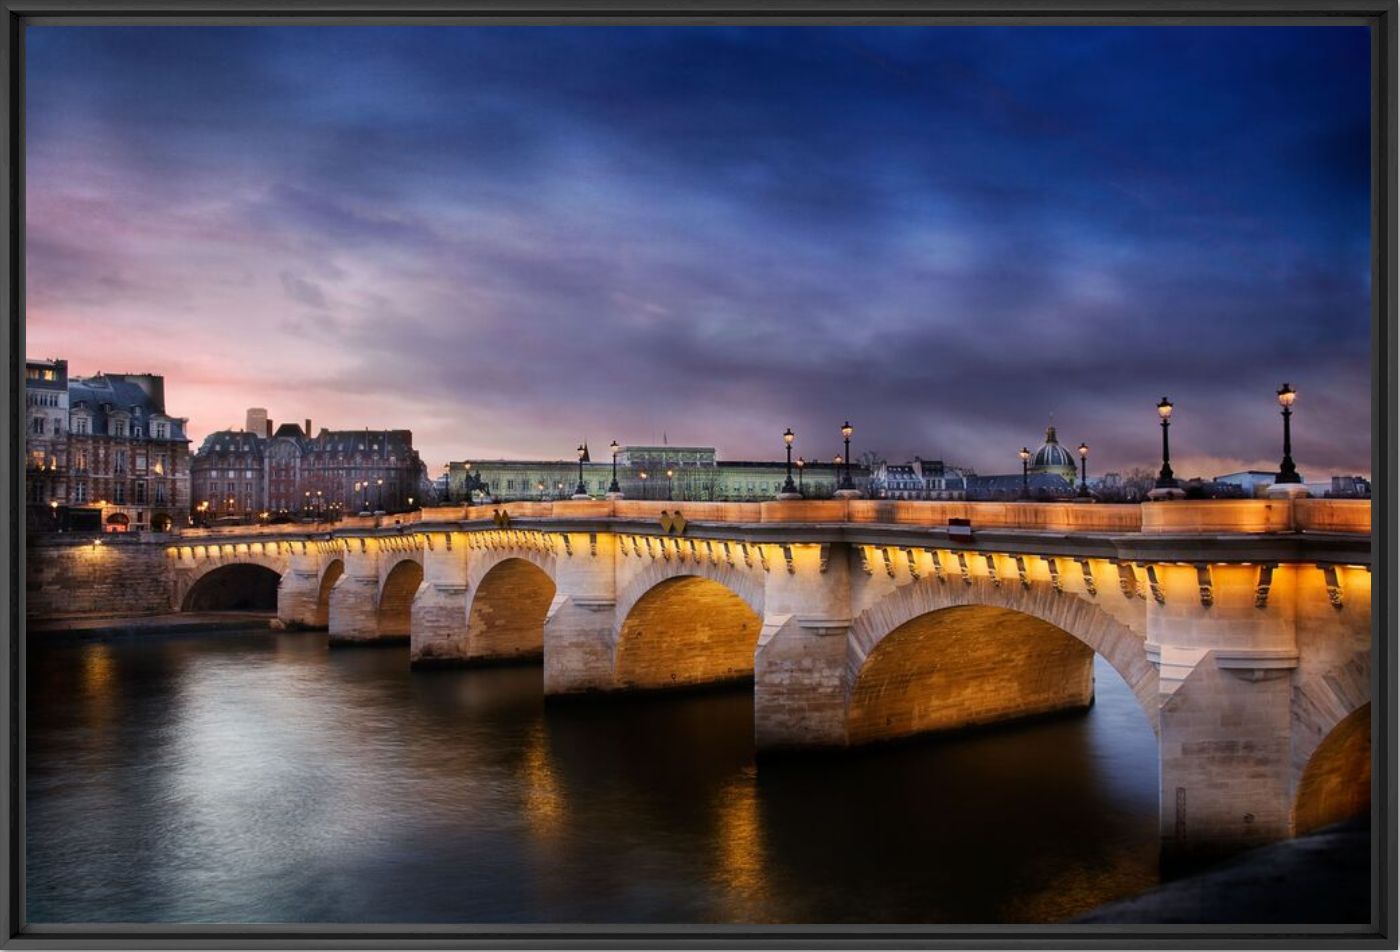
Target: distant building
<point x="46" y="434"/>
<point x="249" y="475"/>
<point x="1011" y="486"/>
<point x="1054" y="459"/>
<point x="257" y="422"/>
<point x="1350" y="487"/>
<point x="920" y="479"/>
<point x="646" y="472"/>
<point x="1052" y="472"/>
<point x="126" y="455"/>
<point x="1249" y="480"/>
<point x="226" y="475"/>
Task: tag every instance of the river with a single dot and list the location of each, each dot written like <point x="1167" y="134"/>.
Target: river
<point x="256" y="776"/>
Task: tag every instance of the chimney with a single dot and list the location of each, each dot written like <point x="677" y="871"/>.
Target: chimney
<point x="308" y="428"/>
<point x="269" y="429"/>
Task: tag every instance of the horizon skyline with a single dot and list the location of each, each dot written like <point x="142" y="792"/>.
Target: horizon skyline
<point x="435" y="470"/>
<point x="484" y="234"/>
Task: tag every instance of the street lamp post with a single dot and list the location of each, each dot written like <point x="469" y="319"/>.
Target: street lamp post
<point x="581" y="491"/>
<point x="801" y="465"/>
<point x="613" y="488"/>
<point x="789" y="490"/>
<point x="1287" y="472"/>
<point x="846" y="431"/>
<point x="379" y="495"/>
<point x="643" y="477"/>
<point x="1084" y="470"/>
<point x="1165" y="479"/>
<point x="670" y="476"/>
<point x="1025" y="473"/>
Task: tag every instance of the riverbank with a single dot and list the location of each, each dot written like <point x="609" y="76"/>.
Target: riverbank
<point x="1321" y="878"/>
<point x="121" y="626"/>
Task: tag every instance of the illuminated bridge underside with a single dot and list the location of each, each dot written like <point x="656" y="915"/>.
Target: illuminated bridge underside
<point x="686" y="631"/>
<point x="1242" y="627"/>
<point x="965" y="666"/>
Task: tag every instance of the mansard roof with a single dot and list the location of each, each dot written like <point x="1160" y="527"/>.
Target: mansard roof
<point x="113" y="395"/>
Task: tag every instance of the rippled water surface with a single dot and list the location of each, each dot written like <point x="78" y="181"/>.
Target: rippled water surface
<point x="259" y="777"/>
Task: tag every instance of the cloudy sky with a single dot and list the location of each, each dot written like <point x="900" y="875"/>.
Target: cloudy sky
<point x="509" y="239"/>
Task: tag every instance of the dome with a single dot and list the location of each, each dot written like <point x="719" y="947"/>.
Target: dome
<point x="1051" y="456"/>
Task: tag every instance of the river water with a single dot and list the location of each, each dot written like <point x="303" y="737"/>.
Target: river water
<point x="260" y="777"/>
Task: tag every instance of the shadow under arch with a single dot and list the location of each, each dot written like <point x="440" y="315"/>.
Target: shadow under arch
<point x="505" y="619"/>
<point x="242" y="586"/>
<point x="394" y="612"/>
<point x="332" y="573"/>
<point x="686" y="630"/>
<point x="1336" y="783"/>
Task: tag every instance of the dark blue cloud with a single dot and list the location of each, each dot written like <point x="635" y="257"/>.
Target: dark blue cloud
<point x="945" y="233"/>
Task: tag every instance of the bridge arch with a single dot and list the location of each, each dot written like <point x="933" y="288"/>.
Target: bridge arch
<point x="1332" y="743"/>
<point x="1336" y="782"/>
<point x="994" y="641"/>
<point x="331" y="574"/>
<point x="393" y="611"/>
<point x="233" y="586"/>
<point x="483" y="561"/>
<point x="741" y="583"/>
<point x="507" y="608"/>
<point x="687" y="627"/>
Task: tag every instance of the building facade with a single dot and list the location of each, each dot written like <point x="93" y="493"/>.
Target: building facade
<point x="286" y="472"/>
<point x="46" y="432"/>
<point x="920" y="479"/>
<point x="106" y="446"/>
<point x="691" y="473"/>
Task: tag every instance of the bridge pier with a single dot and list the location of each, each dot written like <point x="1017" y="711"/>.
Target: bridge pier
<point x="353" y="607"/>
<point x="580" y="628"/>
<point x="352" y="617"/>
<point x="438" y="636"/>
<point x="801" y="677"/>
<point x="579" y="645"/>
<point x="800" y="683"/>
<point x="298" y="593"/>
<point x="1225" y="682"/>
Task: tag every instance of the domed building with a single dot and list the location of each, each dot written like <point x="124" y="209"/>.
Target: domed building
<point x="1052" y="458"/>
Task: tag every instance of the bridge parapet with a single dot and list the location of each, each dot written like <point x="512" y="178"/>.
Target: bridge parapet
<point x="1178" y="517"/>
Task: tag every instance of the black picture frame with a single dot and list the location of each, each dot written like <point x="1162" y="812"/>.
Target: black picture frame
<point x="1380" y="15"/>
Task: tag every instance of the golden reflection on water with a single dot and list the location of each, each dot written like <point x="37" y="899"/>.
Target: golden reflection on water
<point x="742" y="868"/>
<point x="97" y="669"/>
<point x="545" y="808"/>
<point x="99" y="683"/>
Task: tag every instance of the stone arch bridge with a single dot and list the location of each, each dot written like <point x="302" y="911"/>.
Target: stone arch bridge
<point x="1243" y="627"/>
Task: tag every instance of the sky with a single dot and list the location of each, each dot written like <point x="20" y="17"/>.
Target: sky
<point x="512" y="239"/>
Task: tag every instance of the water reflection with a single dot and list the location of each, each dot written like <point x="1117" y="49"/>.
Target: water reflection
<point x="259" y="777"/>
<point x="742" y="871"/>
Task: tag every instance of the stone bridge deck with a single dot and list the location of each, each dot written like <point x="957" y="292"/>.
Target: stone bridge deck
<point x="1243" y="627"/>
